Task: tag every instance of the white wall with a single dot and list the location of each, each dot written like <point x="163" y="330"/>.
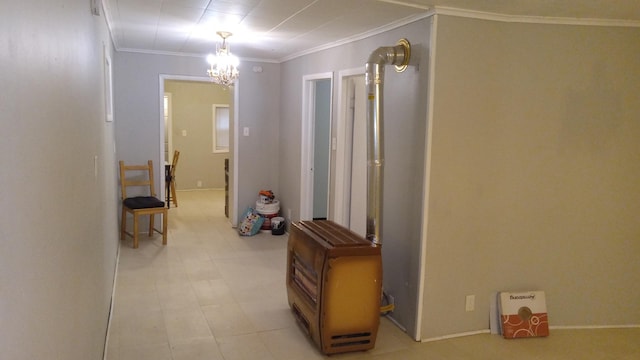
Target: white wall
<point x="58" y="227"/>
<point x="137" y="110"/>
<point x="405" y="120"/>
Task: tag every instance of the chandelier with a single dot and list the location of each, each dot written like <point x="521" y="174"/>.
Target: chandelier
<point x="223" y="68"/>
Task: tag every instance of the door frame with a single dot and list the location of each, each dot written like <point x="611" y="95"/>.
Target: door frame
<point x="233" y="152"/>
<point x="344" y="133"/>
<point x="307" y="141"/>
<point x="169" y="124"/>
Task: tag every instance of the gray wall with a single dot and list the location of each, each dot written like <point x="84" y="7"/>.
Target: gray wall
<point x="321" y="147"/>
<point x="405" y="110"/>
<point x="535" y="176"/>
<point x="137" y="109"/>
<point x="58" y="227"/>
<point x="192" y="112"/>
<point x="259" y="110"/>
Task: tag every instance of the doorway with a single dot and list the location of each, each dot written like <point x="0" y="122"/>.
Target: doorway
<point x="351" y="154"/>
<point x="358" y="186"/>
<point x="316" y="146"/>
<point x="321" y="148"/>
<point x="189" y="125"/>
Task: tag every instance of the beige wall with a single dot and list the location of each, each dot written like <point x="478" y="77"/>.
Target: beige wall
<point x="535" y="176"/>
<point x="192" y="112"/>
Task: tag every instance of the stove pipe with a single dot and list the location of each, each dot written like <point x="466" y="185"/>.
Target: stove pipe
<point x="397" y="55"/>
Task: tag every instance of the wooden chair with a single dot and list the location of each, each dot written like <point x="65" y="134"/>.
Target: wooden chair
<point x="174" y="164"/>
<point x="140" y="205"/>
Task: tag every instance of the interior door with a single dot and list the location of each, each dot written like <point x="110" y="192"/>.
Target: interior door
<point x="358" y="188"/>
<point x="314" y="163"/>
<point x="321" y="148"/>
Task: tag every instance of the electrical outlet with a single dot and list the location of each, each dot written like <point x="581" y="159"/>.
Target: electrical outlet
<point x="392" y="300"/>
<point x="470" y="303"/>
<point x="199" y="184"/>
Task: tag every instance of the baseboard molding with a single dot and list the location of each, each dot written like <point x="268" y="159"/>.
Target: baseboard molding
<point x="396" y="323"/>
<point x="593" y="327"/>
<point x="199" y="189"/>
<point x="453" y="336"/>
<point x="113" y="299"/>
<point x="558" y="327"/>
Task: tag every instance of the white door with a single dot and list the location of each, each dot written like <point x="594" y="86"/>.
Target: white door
<point x="308" y="151"/>
<point x="358" y="186"/>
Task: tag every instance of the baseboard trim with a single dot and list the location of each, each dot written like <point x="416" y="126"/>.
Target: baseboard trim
<point x="593" y="327"/>
<point x="452" y="336"/>
<point x="113" y="299"/>
<point x="557" y="327"/>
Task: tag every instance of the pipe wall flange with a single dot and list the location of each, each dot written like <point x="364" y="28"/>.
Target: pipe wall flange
<point x="407" y="54"/>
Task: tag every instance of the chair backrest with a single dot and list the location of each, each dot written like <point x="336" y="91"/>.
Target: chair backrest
<point x="144" y="177"/>
<point x="174" y="163"/>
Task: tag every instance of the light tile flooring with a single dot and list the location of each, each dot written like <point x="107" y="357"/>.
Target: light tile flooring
<point x="211" y="294"/>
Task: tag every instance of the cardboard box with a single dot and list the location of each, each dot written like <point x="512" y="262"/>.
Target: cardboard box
<point x="523" y="314"/>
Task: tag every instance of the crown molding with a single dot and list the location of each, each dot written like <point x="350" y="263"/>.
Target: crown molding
<point x="171" y="53"/>
<point x="364" y="35"/>
<point x="482" y="15"/>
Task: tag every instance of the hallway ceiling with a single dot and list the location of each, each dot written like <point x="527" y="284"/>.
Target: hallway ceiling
<point x="274" y="30"/>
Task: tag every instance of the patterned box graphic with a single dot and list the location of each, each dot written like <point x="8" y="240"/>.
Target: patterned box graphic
<point x="523" y="314"/>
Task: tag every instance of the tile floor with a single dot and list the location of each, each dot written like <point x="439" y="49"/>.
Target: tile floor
<point x="211" y="294"/>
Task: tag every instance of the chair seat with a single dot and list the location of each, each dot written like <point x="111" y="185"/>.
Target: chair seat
<point x="143" y="202"/>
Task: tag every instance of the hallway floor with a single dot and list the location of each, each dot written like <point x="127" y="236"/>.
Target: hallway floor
<point x="211" y="294"/>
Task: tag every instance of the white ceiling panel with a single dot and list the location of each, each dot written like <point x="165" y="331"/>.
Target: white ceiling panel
<point x="233" y="7"/>
<point x="197" y="4"/>
<point x="277" y="29"/>
<point x="137" y="40"/>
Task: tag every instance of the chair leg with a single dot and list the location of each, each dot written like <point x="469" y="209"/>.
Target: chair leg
<point x="164" y="228"/>
<point x="152" y="218"/>
<point x="135" y="231"/>
<point x="174" y="198"/>
<point x="123" y="224"/>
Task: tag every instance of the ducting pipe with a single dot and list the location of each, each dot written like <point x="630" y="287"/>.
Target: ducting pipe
<point x="374" y="80"/>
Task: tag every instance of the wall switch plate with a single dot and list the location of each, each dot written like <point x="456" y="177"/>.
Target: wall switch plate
<point x="95" y="166"/>
<point x="470" y="303"/>
<point x="245" y="131"/>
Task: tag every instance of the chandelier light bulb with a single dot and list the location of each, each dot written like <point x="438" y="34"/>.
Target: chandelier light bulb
<point x="223" y="67"/>
<point x="211" y="59"/>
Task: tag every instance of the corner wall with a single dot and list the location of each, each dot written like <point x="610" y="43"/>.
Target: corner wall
<point x="535" y="176"/>
<point x="405" y="125"/>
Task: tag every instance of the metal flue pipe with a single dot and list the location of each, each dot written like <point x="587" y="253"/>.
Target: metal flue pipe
<point x="374" y="80"/>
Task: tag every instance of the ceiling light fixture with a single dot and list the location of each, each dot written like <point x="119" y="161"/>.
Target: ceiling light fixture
<point x="223" y="68"/>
